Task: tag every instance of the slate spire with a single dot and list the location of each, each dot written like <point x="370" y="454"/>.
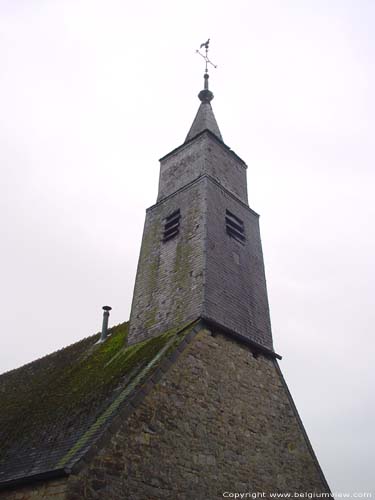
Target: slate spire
<point x="205" y="118"/>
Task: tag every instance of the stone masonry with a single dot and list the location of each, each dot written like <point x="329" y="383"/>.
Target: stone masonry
<point x="219" y="420"/>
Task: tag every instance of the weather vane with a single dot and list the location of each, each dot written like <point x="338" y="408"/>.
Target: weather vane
<point x="205" y="57"/>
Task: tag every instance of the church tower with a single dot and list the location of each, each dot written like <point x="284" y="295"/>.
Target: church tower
<point x="201" y="266"/>
<point x="201" y="254"/>
<point x="193" y="405"/>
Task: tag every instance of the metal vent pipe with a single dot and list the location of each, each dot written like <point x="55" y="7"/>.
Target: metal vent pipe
<point x="103" y="335"/>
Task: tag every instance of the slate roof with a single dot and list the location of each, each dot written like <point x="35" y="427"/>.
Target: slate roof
<point x="53" y="409"/>
<point x="204" y="120"/>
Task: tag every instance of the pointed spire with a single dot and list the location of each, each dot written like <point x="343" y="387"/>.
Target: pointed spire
<point x="205" y="118"/>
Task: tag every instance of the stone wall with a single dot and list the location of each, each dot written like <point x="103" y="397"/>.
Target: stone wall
<point x="220" y="420"/>
<point x="46" y="490"/>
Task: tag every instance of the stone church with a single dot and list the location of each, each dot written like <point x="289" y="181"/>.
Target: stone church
<point x="187" y="399"/>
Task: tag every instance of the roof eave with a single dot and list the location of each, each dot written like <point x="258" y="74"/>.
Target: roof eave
<point x="42" y="476"/>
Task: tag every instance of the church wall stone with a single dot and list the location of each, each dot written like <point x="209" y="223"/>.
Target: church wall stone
<point x="220" y="420"/>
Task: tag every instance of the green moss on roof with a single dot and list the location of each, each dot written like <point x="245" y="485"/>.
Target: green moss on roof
<point x="52" y="408"/>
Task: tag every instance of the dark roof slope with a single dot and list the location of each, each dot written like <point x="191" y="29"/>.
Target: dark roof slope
<point x="204" y="120"/>
<point x="53" y="409"/>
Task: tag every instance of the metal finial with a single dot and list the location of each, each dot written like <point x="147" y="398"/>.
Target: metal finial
<point x="205" y="95"/>
<point x="205" y="56"/>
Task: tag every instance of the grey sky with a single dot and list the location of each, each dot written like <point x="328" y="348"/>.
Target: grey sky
<point x="92" y="93"/>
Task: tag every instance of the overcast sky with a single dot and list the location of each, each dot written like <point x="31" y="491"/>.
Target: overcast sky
<point x="93" y="92"/>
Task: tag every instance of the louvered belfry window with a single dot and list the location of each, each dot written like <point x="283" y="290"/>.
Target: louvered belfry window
<point x="235" y="227"/>
<point x="172" y="225"/>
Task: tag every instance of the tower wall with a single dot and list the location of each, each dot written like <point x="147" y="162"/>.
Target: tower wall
<point x="235" y="286"/>
<point x="170" y="277"/>
<point x="203" y="271"/>
<point x="205" y="155"/>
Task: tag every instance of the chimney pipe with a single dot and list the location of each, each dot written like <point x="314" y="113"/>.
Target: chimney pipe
<point x="103" y="335"/>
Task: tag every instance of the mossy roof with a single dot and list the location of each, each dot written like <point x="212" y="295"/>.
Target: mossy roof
<point x="53" y="409"/>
